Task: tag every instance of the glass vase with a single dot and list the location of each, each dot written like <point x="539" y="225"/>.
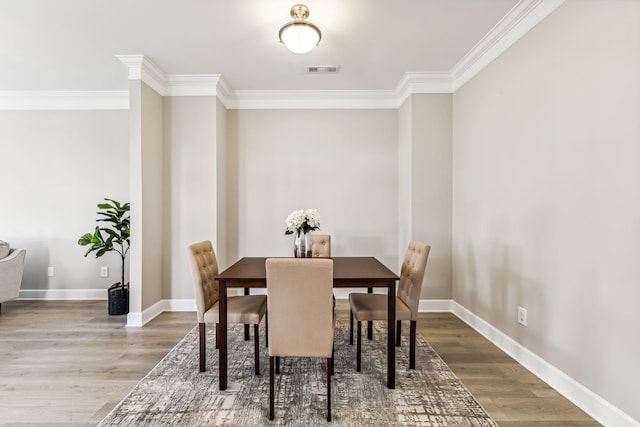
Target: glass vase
<point x="302" y="246"/>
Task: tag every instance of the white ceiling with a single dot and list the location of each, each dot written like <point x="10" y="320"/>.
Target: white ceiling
<point x="71" y="45"/>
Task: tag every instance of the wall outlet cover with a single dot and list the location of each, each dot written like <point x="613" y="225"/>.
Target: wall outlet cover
<point x="522" y="316"/>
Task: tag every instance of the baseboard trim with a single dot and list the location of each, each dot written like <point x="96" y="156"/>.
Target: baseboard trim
<point x="139" y="319"/>
<point x="594" y="405"/>
<point x="435" y="306"/>
<point x="62" y="294"/>
<point x="181" y="305"/>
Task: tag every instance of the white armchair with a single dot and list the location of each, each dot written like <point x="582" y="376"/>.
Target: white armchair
<point x="11" y="268"/>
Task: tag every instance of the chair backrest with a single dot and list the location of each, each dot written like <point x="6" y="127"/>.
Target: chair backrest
<point x="300" y="306"/>
<point x="412" y="274"/>
<point x="320" y="245"/>
<point x="11" y="269"/>
<point x="204" y="267"/>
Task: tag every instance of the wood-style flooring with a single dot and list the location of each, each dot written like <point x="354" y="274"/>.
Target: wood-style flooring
<point x="69" y="363"/>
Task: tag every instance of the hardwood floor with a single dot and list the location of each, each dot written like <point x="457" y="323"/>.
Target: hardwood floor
<point x="69" y="363"/>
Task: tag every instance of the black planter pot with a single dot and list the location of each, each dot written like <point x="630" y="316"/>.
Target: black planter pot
<point x="118" y="299"/>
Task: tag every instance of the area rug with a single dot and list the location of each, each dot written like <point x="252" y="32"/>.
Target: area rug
<point x="174" y="393"/>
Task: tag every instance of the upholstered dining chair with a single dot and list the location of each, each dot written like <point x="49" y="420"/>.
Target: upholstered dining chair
<point x="320" y="245"/>
<point x="366" y="307"/>
<point x="299" y="292"/>
<point x="247" y="309"/>
<point x="321" y="248"/>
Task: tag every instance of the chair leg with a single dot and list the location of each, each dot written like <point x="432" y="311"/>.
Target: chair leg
<point x="246" y="327"/>
<point x="412" y="345"/>
<point x="351" y="327"/>
<point x="277" y="364"/>
<point x="369" y="323"/>
<point x="359" y="346"/>
<point x="271" y="386"/>
<point x="398" y="332"/>
<point x="257" y="348"/>
<point x="203" y="347"/>
<point x="266" y="329"/>
<point x="333" y="366"/>
<point x="329" y="368"/>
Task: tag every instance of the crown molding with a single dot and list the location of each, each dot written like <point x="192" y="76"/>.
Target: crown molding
<point x="312" y="99"/>
<point x="60" y="100"/>
<point x="224" y="92"/>
<point x="191" y="85"/>
<point x="411" y="83"/>
<point x="525" y="15"/>
<point x="516" y="23"/>
<point x="143" y="69"/>
<point x="416" y="82"/>
<point x="215" y="85"/>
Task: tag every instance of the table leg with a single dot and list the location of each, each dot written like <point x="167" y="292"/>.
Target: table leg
<point x="391" y="332"/>
<point x="369" y="323"/>
<point x="246" y="327"/>
<point x="223" y="333"/>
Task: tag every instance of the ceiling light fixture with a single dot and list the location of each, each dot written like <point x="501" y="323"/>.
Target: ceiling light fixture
<point x="298" y="35"/>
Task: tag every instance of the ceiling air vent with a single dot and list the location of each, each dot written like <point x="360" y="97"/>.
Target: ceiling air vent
<point x="322" y="69"/>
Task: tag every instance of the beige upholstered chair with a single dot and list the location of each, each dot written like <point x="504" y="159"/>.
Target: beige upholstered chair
<point x="365" y="307"/>
<point x="320" y="245"/>
<point x="321" y="248"/>
<point x="299" y="292"/>
<point x="240" y="309"/>
<point x="11" y="269"/>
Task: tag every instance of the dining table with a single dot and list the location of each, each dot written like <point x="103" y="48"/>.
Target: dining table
<point x="348" y="272"/>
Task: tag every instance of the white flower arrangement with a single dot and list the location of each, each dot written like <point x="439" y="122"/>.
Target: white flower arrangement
<point x="302" y="221"/>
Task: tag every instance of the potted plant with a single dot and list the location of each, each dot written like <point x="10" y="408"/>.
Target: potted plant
<point x="112" y="237"/>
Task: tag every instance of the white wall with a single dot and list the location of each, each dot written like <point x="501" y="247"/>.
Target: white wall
<point x="426" y="156"/>
<point x="341" y="162"/>
<point x="405" y="181"/>
<point x="56" y="167"/>
<point x="546" y="205"/>
<point x="190" y="186"/>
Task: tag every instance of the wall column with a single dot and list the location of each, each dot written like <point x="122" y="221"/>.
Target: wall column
<point x="425" y="185"/>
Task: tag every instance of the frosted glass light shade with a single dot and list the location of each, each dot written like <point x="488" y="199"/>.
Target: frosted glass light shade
<point x="300" y="37"/>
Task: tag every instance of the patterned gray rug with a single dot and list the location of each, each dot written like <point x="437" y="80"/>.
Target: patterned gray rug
<point x="174" y="393"/>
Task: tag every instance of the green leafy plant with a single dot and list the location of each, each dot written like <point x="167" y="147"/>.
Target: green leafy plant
<point x="113" y="237"/>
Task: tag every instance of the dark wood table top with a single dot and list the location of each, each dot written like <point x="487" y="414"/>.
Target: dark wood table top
<point x="250" y="272"/>
<point x="347" y="271"/>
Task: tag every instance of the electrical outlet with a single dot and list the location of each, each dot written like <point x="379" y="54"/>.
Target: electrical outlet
<point x="50" y="271"/>
<point x="104" y="271"/>
<point x="522" y="316"/>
